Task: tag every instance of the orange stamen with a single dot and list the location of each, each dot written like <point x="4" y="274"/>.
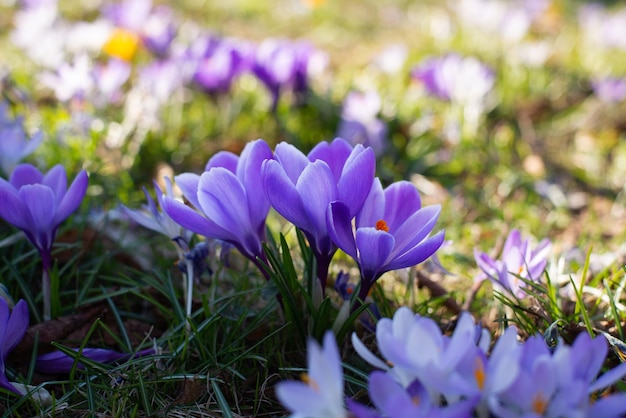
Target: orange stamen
<point x="381" y="225"/>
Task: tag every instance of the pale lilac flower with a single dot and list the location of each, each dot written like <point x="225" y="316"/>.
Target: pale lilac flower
<point x="153" y="217"/>
<point x="392" y="231"/>
<point x="109" y="79"/>
<point x="359" y="122"/>
<point x="320" y="395"/>
<point x="160" y="79"/>
<point x="14" y="146"/>
<point x="518" y="261"/>
<point x="463" y="80"/>
<point x="416" y="348"/>
<point x="602" y="27"/>
<point x="13" y="326"/>
<point x="392" y="58"/>
<point x="71" y="80"/>
<point x="301" y="187"/>
<point x="230" y="199"/>
<point x="610" y="89"/>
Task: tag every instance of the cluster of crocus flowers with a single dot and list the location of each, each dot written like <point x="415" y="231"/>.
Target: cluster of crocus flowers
<point x="323" y="194"/>
<point x="37" y="204"/>
<point x="519" y="263"/>
<point x="425" y="373"/>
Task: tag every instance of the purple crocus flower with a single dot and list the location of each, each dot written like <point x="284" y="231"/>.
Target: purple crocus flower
<point x="610" y="89"/>
<point x="12" y="329"/>
<point x="300" y="188"/>
<point x="518" y="262"/>
<point x="13" y="143"/>
<point x="59" y="362"/>
<point x="392" y="231"/>
<point x="37" y="204"/>
<point x="320" y="394"/>
<point x="359" y="122"/>
<point x="230" y="198"/>
<point x="445" y="365"/>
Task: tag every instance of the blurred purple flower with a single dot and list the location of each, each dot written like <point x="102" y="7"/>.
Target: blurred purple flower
<point x="158" y="31"/>
<point x="13" y="143"/>
<point x="230" y="198"/>
<point x="300" y="188"/>
<point x="359" y="123"/>
<point x="221" y="63"/>
<point x="71" y="80"/>
<point x="463" y="80"/>
<point x="392" y="231"/>
<point x="109" y="79"/>
<point x="13" y="326"/>
<point x="518" y="262"/>
<point x="282" y="64"/>
<point x="128" y="14"/>
<point x="610" y="89"/>
<point x="59" y="362"/>
<point x="37" y="204"/>
<point x="320" y="395"/>
<point x="161" y="78"/>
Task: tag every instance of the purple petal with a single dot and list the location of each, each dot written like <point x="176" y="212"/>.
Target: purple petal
<point x="291" y="159"/>
<point x="334" y="154"/>
<point x="41" y="205"/>
<point x="419" y="253"/>
<point x="299" y="398"/>
<point x="249" y="174"/>
<point x="374" y="246"/>
<point x="13" y="210"/>
<point x="193" y="221"/>
<point x="25" y="174"/>
<point x="59" y="362"/>
<point x="283" y="195"/>
<point x="356" y="179"/>
<point x="223" y="200"/>
<point x="401" y="201"/>
<point x="415" y="229"/>
<point x="339" y="224"/>
<point x="317" y="188"/>
<point x="16" y="326"/>
<point x="73" y="198"/>
<point x="188" y="184"/>
<point x="56" y="179"/>
<point x="374" y="206"/>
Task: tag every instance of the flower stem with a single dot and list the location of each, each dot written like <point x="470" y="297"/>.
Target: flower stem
<point x="45" y="280"/>
<point x="188" y="287"/>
